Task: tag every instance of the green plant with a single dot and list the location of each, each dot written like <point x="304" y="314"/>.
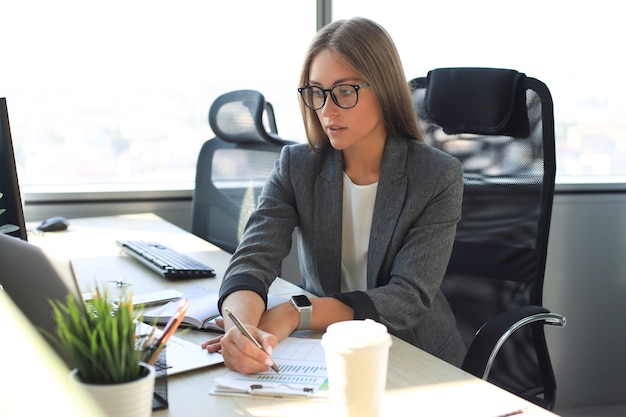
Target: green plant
<point x="99" y="337"/>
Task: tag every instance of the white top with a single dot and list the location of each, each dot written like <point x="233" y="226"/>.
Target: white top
<point x="358" y="210"/>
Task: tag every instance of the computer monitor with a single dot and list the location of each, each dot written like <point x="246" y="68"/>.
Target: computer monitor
<point x="11" y="210"/>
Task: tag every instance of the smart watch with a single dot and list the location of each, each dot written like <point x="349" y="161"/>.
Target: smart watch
<point x="304" y="307"/>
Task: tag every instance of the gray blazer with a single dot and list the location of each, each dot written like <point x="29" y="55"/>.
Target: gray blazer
<point x="418" y="204"/>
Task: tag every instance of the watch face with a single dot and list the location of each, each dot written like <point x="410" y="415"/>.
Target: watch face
<point x="301" y="300"/>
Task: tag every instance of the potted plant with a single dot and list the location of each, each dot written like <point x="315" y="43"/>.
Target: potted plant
<point x="100" y="340"/>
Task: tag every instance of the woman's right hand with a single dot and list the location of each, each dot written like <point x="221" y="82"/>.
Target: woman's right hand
<point x="242" y="355"/>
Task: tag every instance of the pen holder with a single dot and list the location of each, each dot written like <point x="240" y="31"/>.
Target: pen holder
<point x="159" y="401"/>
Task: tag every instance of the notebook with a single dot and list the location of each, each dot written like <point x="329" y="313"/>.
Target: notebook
<point x="30" y="280"/>
<point x="202" y="310"/>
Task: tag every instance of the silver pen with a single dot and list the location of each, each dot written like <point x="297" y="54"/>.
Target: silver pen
<point x="247" y="333"/>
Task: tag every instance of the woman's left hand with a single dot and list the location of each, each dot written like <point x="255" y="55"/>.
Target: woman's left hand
<point x="214" y="345"/>
<point x="280" y="320"/>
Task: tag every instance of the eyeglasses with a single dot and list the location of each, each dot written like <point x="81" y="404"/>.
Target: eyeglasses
<point x="344" y="95"/>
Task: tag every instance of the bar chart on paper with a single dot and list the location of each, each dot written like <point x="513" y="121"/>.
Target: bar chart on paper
<point x="303" y="372"/>
<point x="300" y="361"/>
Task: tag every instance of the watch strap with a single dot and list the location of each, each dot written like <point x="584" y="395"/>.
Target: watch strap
<point x="306" y="314"/>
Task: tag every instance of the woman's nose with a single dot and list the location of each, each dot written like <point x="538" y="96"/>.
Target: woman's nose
<point x="329" y="107"/>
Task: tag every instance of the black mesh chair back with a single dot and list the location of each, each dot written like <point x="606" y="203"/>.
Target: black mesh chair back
<point x="233" y="166"/>
<point x="499" y="124"/>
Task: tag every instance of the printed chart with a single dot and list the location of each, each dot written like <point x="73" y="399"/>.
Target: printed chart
<point x="302" y="366"/>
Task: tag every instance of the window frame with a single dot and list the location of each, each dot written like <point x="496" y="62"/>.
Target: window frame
<point x="141" y="193"/>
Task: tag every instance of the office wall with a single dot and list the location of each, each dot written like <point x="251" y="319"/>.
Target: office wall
<point x="585" y="281"/>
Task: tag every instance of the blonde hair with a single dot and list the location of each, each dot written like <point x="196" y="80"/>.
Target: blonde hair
<point x="366" y="47"/>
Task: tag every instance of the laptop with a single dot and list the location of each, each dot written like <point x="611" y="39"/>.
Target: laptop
<point x="30" y="280"/>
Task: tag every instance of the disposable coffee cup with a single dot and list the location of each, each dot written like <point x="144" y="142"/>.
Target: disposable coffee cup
<point x="357" y="354"/>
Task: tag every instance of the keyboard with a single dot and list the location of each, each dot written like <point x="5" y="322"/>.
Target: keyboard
<point x="167" y="262"/>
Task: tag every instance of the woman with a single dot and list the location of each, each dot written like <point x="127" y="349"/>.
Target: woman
<point x="376" y="210"/>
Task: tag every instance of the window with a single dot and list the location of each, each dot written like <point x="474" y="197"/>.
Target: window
<point x="117" y="93"/>
<point x="571" y="46"/>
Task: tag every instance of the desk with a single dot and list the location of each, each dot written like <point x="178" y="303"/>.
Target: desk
<point x="417" y="383"/>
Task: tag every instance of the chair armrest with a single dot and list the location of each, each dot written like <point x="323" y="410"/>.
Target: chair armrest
<point x="492" y="335"/>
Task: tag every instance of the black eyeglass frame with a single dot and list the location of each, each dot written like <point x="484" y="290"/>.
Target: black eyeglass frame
<point x="327" y="91"/>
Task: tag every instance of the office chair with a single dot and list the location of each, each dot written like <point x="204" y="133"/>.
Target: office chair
<point x="233" y="166"/>
<point x="499" y="123"/>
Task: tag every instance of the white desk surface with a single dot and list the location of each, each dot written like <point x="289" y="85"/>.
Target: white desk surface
<point x="417" y="383"/>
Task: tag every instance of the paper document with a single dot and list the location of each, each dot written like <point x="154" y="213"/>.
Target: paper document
<point x="303" y="373"/>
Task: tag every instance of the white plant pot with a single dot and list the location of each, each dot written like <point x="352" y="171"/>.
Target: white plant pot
<point x="129" y="399"/>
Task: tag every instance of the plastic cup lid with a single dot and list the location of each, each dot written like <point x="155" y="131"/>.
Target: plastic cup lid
<point x="356" y="334"/>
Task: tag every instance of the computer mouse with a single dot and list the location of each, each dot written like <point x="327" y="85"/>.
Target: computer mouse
<point x="53" y="224"/>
